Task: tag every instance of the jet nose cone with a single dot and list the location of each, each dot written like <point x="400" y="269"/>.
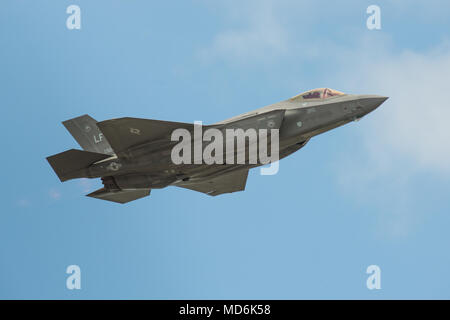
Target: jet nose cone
<point x="370" y="103"/>
<point x="378" y="100"/>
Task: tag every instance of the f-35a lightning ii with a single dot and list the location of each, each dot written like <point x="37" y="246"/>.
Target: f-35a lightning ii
<point x="133" y="156"/>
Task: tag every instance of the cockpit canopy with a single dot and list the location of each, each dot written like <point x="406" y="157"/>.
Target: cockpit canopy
<point x="321" y="93"/>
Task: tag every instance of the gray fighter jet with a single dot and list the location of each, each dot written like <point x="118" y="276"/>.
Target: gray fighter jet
<point x="133" y="156"/>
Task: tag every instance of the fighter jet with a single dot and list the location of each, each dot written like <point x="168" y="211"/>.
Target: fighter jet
<point x="133" y="156"/>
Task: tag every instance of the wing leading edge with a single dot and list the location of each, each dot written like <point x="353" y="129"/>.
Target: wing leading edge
<point x="225" y="183"/>
<point x="119" y="196"/>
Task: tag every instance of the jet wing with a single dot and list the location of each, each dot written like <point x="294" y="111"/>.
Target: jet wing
<point x="119" y="196"/>
<point x="124" y="133"/>
<point x="225" y="183"/>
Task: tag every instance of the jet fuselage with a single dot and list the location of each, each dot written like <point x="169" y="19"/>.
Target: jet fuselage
<point x="145" y="162"/>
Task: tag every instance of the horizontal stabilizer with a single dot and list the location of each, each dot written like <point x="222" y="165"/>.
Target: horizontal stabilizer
<point x="124" y="133"/>
<point x="119" y="196"/>
<point x="70" y="164"/>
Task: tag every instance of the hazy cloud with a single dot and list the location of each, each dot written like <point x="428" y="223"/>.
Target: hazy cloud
<point x="256" y="33"/>
<point x="23" y="203"/>
<point x="406" y="137"/>
<point x="413" y="123"/>
<point x="85" y="184"/>
<point x="54" y="194"/>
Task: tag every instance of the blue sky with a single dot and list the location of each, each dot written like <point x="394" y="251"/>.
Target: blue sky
<point x="372" y="192"/>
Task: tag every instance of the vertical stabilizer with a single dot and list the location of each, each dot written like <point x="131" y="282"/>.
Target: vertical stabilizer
<point x="85" y="131"/>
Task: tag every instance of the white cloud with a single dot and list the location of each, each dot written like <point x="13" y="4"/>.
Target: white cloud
<point x="257" y="34"/>
<point x="413" y="123"/>
<point x="408" y="135"/>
